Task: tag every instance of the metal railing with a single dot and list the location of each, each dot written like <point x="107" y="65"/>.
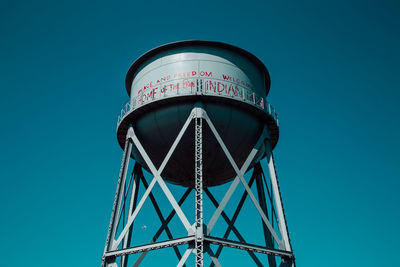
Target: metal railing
<point x="243" y="95"/>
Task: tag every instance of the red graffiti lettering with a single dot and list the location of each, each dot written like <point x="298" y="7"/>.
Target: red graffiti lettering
<point x="164" y="79"/>
<point x="211" y="86"/>
<point x="205" y="73"/>
<point x="221" y="87"/>
<point x="226" y="78"/>
<point x="187" y="83"/>
<point x="231" y="89"/>
<point x="174" y="86"/>
<point x="182" y="75"/>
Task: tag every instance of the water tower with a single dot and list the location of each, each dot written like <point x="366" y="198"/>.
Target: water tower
<point x="198" y="118"/>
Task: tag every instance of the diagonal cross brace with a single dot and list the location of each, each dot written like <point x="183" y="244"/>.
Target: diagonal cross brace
<point x="157" y="178"/>
<point x="185" y="257"/>
<point x="199" y="113"/>
<point x="232" y="227"/>
<point x="163" y="226"/>
<point x="161" y="217"/>
<point x="235" y="215"/>
<point x="132" y="217"/>
<point x="231" y="190"/>
<point x="240" y="178"/>
<point x="213" y="257"/>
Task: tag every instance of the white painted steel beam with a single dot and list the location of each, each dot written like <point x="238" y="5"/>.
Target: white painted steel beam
<point x="157" y="177"/>
<point x="239" y="174"/>
<point x="198" y="114"/>
<point x="161" y="217"/>
<point x="132" y="217"/>
<point x="248" y="247"/>
<point x="148" y="247"/>
<point x="185" y="257"/>
<point x="213" y="257"/>
<point x="132" y="206"/>
<point x="157" y="173"/>
<point x="233" y="220"/>
<point x="118" y="196"/>
<point x="278" y="199"/>
<point x="230" y="191"/>
<point x="163" y="226"/>
<point x="269" y="242"/>
<point x="232" y="227"/>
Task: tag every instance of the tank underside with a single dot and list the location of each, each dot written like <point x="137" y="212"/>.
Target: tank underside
<point x="158" y="124"/>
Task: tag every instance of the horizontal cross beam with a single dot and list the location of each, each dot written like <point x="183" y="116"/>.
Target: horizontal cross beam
<point x="153" y="246"/>
<point x="248" y="247"/>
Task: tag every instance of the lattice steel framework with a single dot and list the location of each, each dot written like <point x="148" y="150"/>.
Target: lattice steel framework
<point x="198" y="238"/>
<point x="199" y="191"/>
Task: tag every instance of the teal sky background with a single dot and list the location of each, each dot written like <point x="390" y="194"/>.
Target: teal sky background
<point x="335" y="73"/>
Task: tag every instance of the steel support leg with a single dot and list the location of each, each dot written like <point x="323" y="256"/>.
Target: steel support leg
<point x="199" y="240"/>
<point x="132" y="206"/>
<point x="269" y="242"/>
<point x="279" y="206"/>
<point x="118" y="197"/>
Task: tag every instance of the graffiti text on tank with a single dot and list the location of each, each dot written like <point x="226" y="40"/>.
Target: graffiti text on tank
<point x="184" y="82"/>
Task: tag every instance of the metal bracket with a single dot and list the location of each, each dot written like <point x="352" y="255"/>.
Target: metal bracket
<point x="130" y="134"/>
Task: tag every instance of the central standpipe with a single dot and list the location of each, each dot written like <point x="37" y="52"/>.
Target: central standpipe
<point x="199" y="246"/>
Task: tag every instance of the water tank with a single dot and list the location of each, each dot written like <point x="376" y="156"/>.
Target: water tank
<point x="166" y="83"/>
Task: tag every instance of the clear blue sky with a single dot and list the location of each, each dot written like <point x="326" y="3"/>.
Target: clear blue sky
<point x="334" y="67"/>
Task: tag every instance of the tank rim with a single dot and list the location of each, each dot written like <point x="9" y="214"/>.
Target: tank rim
<point x="131" y="117"/>
<point x="143" y="58"/>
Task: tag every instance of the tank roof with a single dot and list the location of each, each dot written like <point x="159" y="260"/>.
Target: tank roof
<point x="181" y="44"/>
